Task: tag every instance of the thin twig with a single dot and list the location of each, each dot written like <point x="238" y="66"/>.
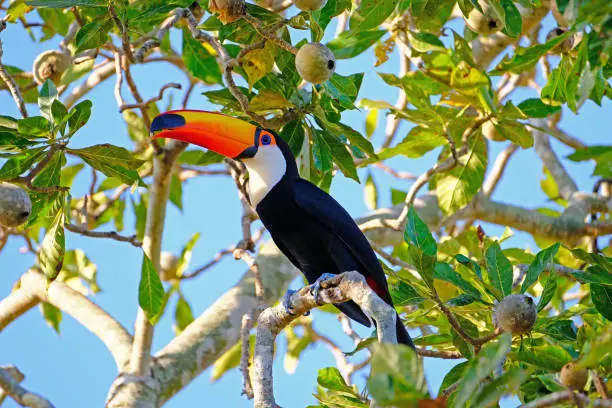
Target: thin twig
<point x="498" y="169"/>
<point x="438" y="353"/>
<point x="11" y="85"/>
<point x="554" y="399"/>
<point x="271" y="36"/>
<point x="103" y="234"/>
<point x="9" y="382"/>
<point x="402" y="175"/>
<point x="146" y="103"/>
<point x="123" y="29"/>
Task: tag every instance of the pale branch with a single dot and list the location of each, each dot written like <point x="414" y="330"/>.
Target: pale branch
<point x="342" y="363"/>
<point x="268" y="35"/>
<point x="116" y="339"/>
<point x="17" y="376"/>
<point x="159" y="191"/>
<point x="566" y="138"/>
<point x="448" y="355"/>
<point x="556" y="398"/>
<point x="146" y="103"/>
<point x="501" y="162"/>
<point x="18" y="302"/>
<point x="10" y="83"/>
<point x="96" y="77"/>
<point x="347" y="327"/>
<point x="544" y="150"/>
<point x="341" y="288"/>
<point x="9" y="383"/>
<point x="82" y="230"/>
<point x="118" y="80"/>
<point x="189" y="173"/>
<point x="402" y="175"/>
<point x="600" y="384"/>
<point x="245" y="339"/>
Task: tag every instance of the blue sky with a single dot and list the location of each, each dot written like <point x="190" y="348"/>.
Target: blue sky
<point x="74" y="368"/>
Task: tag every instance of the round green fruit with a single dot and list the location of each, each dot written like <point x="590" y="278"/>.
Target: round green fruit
<point x="515" y="314"/>
<point x="565" y="46"/>
<point x="574" y="376"/>
<point x="50" y="64"/>
<point x="486" y="23"/>
<point x="309" y="5"/>
<point x="168" y="263"/>
<point x="490" y="132"/>
<point x="15" y="205"/>
<point x="315" y="63"/>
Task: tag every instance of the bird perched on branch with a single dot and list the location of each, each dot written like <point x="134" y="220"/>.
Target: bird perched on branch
<point x="313" y="231"/>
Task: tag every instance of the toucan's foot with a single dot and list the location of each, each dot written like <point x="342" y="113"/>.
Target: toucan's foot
<point x="316" y="287"/>
<point x="287" y="302"/>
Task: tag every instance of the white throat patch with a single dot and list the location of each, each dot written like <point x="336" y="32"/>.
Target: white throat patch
<point x="266" y="169"/>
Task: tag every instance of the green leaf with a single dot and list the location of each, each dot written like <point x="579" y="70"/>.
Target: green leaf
<point x="200" y="60"/>
<point x="499" y="270"/>
<point x="93" y="34"/>
<point x="602" y="299"/>
<point x="546" y="357"/>
<point x="396" y="377"/>
<point x="51" y="173"/>
<point x="594" y="274"/>
<point x="371" y="14"/>
<point x="430" y="15"/>
<point x="34" y="127"/>
<point x="446" y="273"/>
<point x="403" y="294"/>
<point x="363" y="344"/>
<point x="455" y="374"/>
<point x="418" y="234"/>
<point x="52" y="315"/>
<point x="370" y="193"/>
<point x="341" y="155"/>
<point x="331" y="9"/>
<point x="259" y="62"/>
<point x="293" y="134"/>
<point x="457" y="187"/>
<point x="535" y="108"/>
<point x="350" y="44"/>
<point x="513" y="19"/>
<point x="67" y="3"/>
<point x="507" y="383"/>
<point x="479" y="368"/>
<point x="185" y="257"/>
<point x="183" y="316"/>
<point x="60" y="115"/>
<point x="52" y="250"/>
<point x="18" y="164"/>
<point x="48" y="93"/>
<point x="544" y="261"/>
<point x="150" y="290"/>
<point x="79" y="115"/>
<point x="419" y="141"/>
<point x="525" y="59"/>
<point x="425" y="42"/>
<point x="549" y="291"/>
<point x="76" y="71"/>
<point x="371" y="122"/>
<point x="331" y="379"/>
<point x="559" y="329"/>
<point x="111" y="160"/>
<point x="554" y="92"/>
<point x="176" y="192"/>
<point x="516" y="132"/>
<point x="574" y="80"/>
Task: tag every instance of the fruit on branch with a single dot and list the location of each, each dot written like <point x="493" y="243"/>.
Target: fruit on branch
<point x="15" y="205"/>
<point x="490" y="132"/>
<point x="565" y="46"/>
<point x="309" y="5"/>
<point x="228" y="10"/>
<point x="169" y="264"/>
<point x="573" y="376"/>
<point x="315" y="63"/>
<point x="486" y="23"/>
<point x="50" y="64"/>
<point x="515" y="314"/>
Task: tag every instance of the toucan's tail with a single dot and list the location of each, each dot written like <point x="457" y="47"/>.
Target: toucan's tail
<point x="402" y="334"/>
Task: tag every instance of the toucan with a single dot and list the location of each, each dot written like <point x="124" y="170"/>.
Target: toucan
<point x="309" y="227"/>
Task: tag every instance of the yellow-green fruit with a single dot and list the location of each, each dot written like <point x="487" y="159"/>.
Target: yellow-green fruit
<point x="315" y="63"/>
<point x="309" y="5"/>
<point x="488" y="22"/>
<point x="565" y="45"/>
<point x="574" y="376"/>
<point x="490" y="132"/>
<point x="168" y="263"/>
<point x="515" y="314"/>
<point x="50" y="64"/>
<point x="15" y="205"/>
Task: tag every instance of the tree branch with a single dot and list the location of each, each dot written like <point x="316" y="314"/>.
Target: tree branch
<point x="341" y="288"/>
<point x="10" y="83"/>
<point x="554" y="399"/>
<point x="498" y="170"/>
<point x="103" y="234"/>
<point x="9" y="382"/>
<point x="17" y="303"/>
<point x="159" y="97"/>
<point x="87" y="313"/>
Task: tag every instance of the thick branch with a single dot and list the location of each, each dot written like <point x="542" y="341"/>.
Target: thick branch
<point x="23" y="397"/>
<point x="87" y="313"/>
<point x="16" y="304"/>
<point x="341" y="288"/>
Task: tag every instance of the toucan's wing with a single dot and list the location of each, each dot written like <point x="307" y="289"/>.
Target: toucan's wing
<point x="334" y="217"/>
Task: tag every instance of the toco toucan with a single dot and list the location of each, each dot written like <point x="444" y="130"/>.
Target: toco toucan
<point x="313" y="231"/>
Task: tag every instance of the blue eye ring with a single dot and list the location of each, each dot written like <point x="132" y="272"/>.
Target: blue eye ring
<point x="266" y="140"/>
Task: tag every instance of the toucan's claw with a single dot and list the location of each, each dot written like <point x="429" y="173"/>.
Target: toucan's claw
<point x="316" y="287"/>
<point x="287" y="302"/>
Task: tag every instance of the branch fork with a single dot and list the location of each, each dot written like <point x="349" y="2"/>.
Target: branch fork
<point x="338" y="289"/>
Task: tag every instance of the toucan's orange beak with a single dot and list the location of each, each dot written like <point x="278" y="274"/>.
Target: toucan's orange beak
<point x="220" y="133"/>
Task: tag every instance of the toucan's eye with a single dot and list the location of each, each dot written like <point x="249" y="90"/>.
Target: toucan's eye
<point x="265" y="140"/>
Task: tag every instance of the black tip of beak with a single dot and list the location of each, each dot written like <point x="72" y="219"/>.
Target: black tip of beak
<point x="167" y="121"/>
